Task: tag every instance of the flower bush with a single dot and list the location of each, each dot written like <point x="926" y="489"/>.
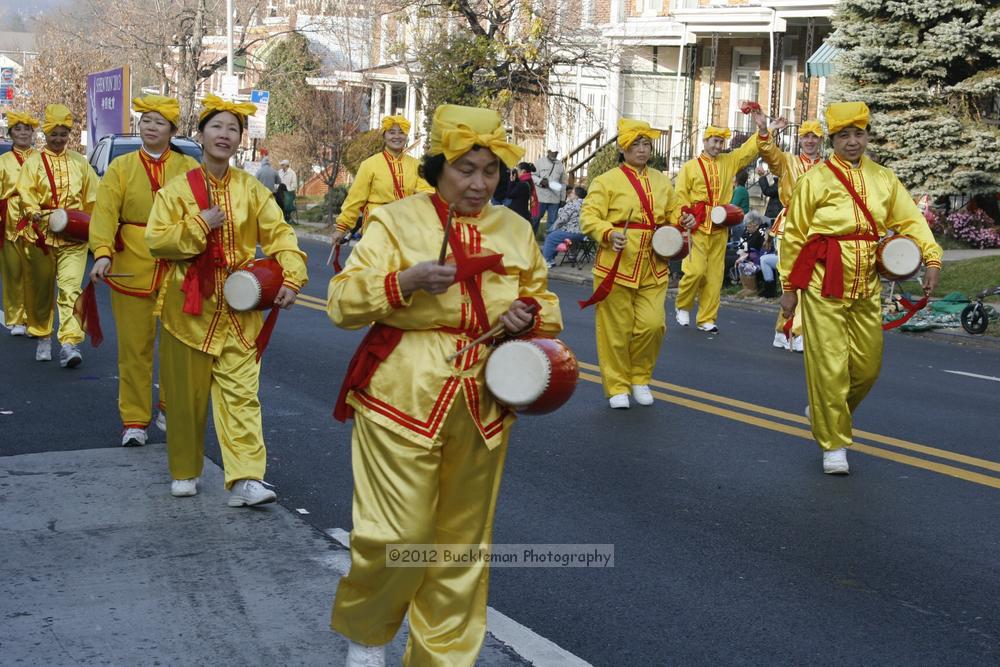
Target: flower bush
<point x="973" y="227"/>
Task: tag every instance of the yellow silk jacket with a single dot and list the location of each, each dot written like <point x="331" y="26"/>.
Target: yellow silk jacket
<point x="177" y="233"/>
<point x="76" y="189"/>
<point x="10" y="168"/>
<point x="124" y="199"/>
<point x="690" y="184"/>
<point x="413" y="389"/>
<point x="789" y="169"/>
<point x="375" y="184"/>
<point x="611" y="200"/>
<point x="821" y="205"/>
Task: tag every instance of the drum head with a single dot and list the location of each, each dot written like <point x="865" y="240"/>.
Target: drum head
<point x="242" y="291"/>
<point x="58" y="220"/>
<point x="901" y="256"/>
<point x="667" y="241"/>
<point x="719" y="214"/>
<point x="517" y="373"/>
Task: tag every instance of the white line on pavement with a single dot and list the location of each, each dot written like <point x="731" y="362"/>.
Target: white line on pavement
<point x="974" y="375"/>
<point x="302" y="510"/>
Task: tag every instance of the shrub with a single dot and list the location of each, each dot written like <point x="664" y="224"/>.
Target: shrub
<point x="974" y="227"/>
<point x="361" y="148"/>
<point x="606" y="159"/>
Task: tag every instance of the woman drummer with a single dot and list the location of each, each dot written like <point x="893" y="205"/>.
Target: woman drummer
<point x="53" y="178"/>
<point x="384" y="177"/>
<point x="118" y="241"/>
<point x="428" y="452"/>
<point x="15" y="254"/>
<point x="204" y="224"/>
<point x="838" y="212"/>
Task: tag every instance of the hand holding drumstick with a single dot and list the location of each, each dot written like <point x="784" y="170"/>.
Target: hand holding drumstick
<point x="518" y="318"/>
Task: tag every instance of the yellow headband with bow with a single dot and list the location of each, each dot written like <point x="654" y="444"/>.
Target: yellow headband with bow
<point x="629" y="130"/>
<point x="56" y="115"/>
<point x="389" y="121"/>
<point x="167" y="107"/>
<point x="810" y="127"/>
<point x="843" y="114"/>
<point x="456" y="129"/>
<point x="214" y="103"/>
<point x="722" y="132"/>
<point x="18" y="118"/>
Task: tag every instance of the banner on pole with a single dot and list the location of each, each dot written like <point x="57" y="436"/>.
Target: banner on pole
<point x="257" y="123"/>
<point x="107" y="104"/>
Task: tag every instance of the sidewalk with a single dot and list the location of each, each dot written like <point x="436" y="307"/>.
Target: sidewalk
<point x="103" y="567"/>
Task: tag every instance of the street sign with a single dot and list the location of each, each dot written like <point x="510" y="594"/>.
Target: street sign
<point x="257" y="123"/>
<point x="6" y="86"/>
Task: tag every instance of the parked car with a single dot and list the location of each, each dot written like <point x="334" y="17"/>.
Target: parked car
<point x="114" y="145"/>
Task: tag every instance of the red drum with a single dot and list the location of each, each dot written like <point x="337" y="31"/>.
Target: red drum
<point x="897" y="257"/>
<point x="74" y="224"/>
<point x="727" y="215"/>
<point x="532" y="375"/>
<point x="669" y="242"/>
<point x="255" y="286"/>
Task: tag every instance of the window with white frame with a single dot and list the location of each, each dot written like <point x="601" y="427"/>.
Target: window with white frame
<point x="650" y="86"/>
<point x="650" y="7"/>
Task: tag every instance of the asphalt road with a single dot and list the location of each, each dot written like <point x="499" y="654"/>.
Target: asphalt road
<point x="731" y="546"/>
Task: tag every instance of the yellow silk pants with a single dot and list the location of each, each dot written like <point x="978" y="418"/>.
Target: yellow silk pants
<point x="136" y="328"/>
<point x="630" y="325"/>
<point x="405" y="493"/>
<point x="232" y="380"/>
<point x="39" y="289"/>
<point x="704" y="269"/>
<point x="14" y="269"/>
<point x="71" y="263"/>
<point x="843" y="360"/>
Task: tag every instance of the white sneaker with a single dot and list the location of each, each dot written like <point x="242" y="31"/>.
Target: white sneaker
<point x="798" y="344"/>
<point x="134" y="437"/>
<point x="619" y="401"/>
<point x="808" y="415"/>
<point x="683" y="317"/>
<point x="708" y="327"/>
<point x="250" y="492"/>
<point x="184" y="488"/>
<point x="161" y="420"/>
<point x="780" y="340"/>
<point x="43" y="351"/>
<point x="69" y="356"/>
<point x="835" y="462"/>
<point x="19" y="330"/>
<point x="360" y="655"/>
<point x="642" y="394"/>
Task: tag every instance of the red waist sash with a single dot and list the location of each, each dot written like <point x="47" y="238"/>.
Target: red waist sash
<point x="824" y="249"/>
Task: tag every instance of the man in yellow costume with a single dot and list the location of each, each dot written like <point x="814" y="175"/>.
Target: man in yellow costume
<point x="14" y="252"/>
<point x="789" y="169"/>
<point x="382" y="178"/>
<point x="630" y="280"/>
<point x="838" y="212"/>
<point x="118" y="241"/>
<point x="56" y="178"/>
<point x="702" y="183"/>
<point x="429" y="441"/>
<point x="205" y="224"/>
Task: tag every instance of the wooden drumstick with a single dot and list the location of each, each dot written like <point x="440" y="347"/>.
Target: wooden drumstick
<point x="447" y="233"/>
<point x="492" y="333"/>
<point x="119" y="275"/>
<point x="333" y="248"/>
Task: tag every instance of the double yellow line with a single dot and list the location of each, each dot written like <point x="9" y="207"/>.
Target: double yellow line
<point x="792" y="424"/>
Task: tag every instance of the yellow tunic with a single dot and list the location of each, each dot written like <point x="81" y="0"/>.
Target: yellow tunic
<point x="789" y="169"/>
<point x="691" y="187"/>
<point x="10" y="168"/>
<point x="611" y="200"/>
<point x="177" y="233"/>
<point x="76" y="189"/>
<point x="399" y="236"/>
<point x="14" y="263"/>
<point x="124" y="198"/>
<point x="381" y="179"/>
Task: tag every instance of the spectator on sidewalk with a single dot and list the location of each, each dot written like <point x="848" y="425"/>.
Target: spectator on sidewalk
<point x="267" y="175"/>
<point x="769" y="188"/>
<point x="521" y="193"/>
<point x="567" y="225"/>
<point x="549" y="179"/>
<point x="291" y="181"/>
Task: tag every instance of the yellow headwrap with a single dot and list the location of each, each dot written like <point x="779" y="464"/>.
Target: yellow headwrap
<point x="16" y="117"/>
<point x="843" y="114"/>
<point x="456" y="129"/>
<point x="629" y="130"/>
<point x="213" y="103"/>
<point x="56" y="115"/>
<point x="713" y="131"/>
<point x="167" y="107"/>
<point x="810" y="127"/>
<point x="389" y="121"/>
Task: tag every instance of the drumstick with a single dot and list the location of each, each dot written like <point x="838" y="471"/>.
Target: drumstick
<point x="333" y="248"/>
<point x="447" y="233"/>
<point x="492" y="333"/>
<point x="119" y="275"/>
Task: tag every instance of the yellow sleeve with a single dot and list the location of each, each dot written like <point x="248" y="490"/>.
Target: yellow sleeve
<point x="745" y="154"/>
<point x="534" y="284"/>
<point x="174" y="232"/>
<point x="88" y="187"/>
<point x="277" y="239"/>
<point x="906" y="218"/>
<point x="28" y="188"/>
<point x="671" y="207"/>
<point x="797" y="218"/>
<point x="686" y="196"/>
<point x="107" y="211"/>
<point x="424" y="186"/>
<point x="594" y="212"/>
<point x="356" y="199"/>
<point x="773" y="156"/>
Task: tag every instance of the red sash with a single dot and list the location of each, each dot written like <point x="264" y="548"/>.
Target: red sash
<point x="86" y="313"/>
<point x="647" y="206"/>
<point x="199" y="279"/>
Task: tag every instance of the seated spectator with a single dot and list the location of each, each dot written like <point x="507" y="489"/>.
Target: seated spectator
<point x="521" y="192"/>
<point x="567" y="225"/>
<point x="749" y="252"/>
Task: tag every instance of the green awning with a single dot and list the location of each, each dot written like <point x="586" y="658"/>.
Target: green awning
<point x="823" y="61"/>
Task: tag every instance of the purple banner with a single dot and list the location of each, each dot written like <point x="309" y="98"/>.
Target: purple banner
<point x="107" y="104"/>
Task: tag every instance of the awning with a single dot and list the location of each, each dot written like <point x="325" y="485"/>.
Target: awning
<point x="822" y="62"/>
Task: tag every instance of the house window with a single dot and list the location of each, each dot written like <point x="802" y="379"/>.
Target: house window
<point x="650" y="98"/>
<point x="650" y="7"/>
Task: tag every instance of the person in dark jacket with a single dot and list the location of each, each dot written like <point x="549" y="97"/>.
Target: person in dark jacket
<point x="521" y="192"/>
<point x="769" y="188"/>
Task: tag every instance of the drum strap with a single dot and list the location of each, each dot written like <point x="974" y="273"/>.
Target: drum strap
<point x="52" y="180"/>
<point x="640" y="191"/>
<point x="199" y="279"/>
<point x="846" y="182"/>
<point x="911" y="310"/>
<point x="708" y="183"/>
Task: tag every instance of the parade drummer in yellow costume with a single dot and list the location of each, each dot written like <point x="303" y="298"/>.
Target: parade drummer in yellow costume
<point x="789" y="169"/>
<point x="56" y="178"/>
<point x="828" y="252"/>
<point x="429" y="441"/>
<point x="631" y="318"/>
<point x="382" y="178"/>
<point x="707" y="181"/>
<point x="206" y="348"/>
<point x="118" y="241"/>
<point x="14" y="253"/>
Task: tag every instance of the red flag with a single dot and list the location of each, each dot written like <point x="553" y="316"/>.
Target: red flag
<point x="264" y="337"/>
<point x="86" y="313"/>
